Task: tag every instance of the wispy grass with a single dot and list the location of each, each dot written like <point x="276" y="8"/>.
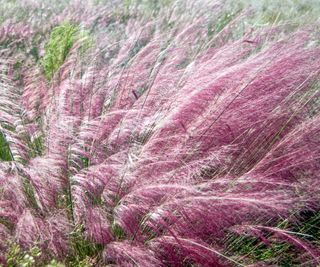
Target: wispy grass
<point x="170" y="126"/>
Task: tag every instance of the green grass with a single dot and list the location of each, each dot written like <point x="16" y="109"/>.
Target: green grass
<point x="217" y="25"/>
<point x="5" y="152"/>
<point x="18" y="257"/>
<point x="83" y="252"/>
<point x="36" y="147"/>
<point x="251" y="249"/>
<point x="60" y="42"/>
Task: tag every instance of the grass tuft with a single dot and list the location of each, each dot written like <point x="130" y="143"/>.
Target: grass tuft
<point x="61" y="40"/>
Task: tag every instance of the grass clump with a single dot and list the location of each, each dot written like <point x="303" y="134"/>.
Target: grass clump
<point x="60" y="42"/>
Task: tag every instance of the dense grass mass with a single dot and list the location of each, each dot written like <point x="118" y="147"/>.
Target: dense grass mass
<point x="159" y="133"/>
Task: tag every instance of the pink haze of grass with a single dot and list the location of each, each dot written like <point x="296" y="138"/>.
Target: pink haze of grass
<point x="186" y="143"/>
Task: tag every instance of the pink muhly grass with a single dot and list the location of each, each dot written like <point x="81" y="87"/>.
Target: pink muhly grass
<point x="159" y="137"/>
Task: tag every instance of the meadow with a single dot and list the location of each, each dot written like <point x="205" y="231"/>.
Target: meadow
<point x="159" y="133"/>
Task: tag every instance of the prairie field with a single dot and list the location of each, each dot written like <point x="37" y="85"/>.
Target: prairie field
<point x="141" y="133"/>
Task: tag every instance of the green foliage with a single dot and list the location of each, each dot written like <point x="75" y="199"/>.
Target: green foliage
<point x="36" y="147"/>
<point x="34" y="49"/>
<point x="148" y="7"/>
<point x="270" y="12"/>
<point x="5" y="152"/>
<point x="216" y="26"/>
<point x="85" y="162"/>
<point x="252" y="250"/>
<point x="4" y="221"/>
<point x="83" y="253"/>
<point x="118" y="232"/>
<point x="309" y="225"/>
<point x="156" y="5"/>
<point x="61" y="40"/>
<point x="54" y="263"/>
<point x="30" y="193"/>
<point x="127" y="4"/>
<point x="17" y="257"/>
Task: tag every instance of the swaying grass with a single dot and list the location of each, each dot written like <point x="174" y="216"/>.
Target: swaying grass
<point x="159" y="133"/>
<point x="61" y="39"/>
